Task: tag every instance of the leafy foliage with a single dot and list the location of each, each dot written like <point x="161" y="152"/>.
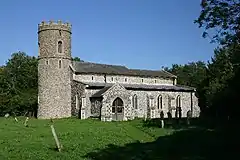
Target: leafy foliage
<point x="77" y="59"/>
<point x="18" y="79"/>
<point x="223" y="17"/>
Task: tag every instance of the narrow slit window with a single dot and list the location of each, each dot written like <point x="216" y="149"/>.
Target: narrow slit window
<point x="60" y="64"/>
<point x="160" y="104"/>
<point x="135" y="106"/>
<point x="125" y="79"/>
<point x="142" y="80"/>
<point x="46" y="62"/>
<point x="60" y="46"/>
<point x="92" y="77"/>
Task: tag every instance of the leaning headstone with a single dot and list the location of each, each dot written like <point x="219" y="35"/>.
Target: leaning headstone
<point x="26" y="122"/>
<point x="162" y="119"/>
<point x="16" y="119"/>
<point x="7" y="115"/>
<point x="59" y="147"/>
<point x="189" y="116"/>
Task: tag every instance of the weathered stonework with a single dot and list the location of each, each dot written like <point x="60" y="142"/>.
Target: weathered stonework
<point x="54" y="82"/>
<point x="114" y="92"/>
<point x="64" y="91"/>
<point x="78" y="91"/>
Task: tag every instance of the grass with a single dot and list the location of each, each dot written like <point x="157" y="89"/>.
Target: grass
<point x="78" y="137"/>
<point x="132" y="140"/>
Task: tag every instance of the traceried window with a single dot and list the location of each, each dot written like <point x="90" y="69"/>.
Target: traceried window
<point x="160" y="103"/>
<point x="60" y="46"/>
<point x="135" y="105"/>
<point x="178" y="101"/>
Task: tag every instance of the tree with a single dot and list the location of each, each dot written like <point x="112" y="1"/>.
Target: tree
<point x="77" y="59"/>
<point x="221" y="16"/>
<point x="18" y="79"/>
<point x="190" y="74"/>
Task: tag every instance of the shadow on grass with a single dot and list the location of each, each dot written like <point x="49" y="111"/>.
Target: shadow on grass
<point x="178" y="123"/>
<point x="189" y="144"/>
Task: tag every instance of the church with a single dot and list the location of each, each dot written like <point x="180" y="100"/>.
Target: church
<point x="68" y="88"/>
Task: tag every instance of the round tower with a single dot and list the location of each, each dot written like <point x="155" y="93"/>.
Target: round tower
<point x="54" y="85"/>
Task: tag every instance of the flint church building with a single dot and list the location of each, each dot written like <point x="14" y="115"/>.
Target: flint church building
<point x="109" y="92"/>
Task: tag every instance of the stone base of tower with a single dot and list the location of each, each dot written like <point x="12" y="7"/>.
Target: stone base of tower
<point x="53" y="112"/>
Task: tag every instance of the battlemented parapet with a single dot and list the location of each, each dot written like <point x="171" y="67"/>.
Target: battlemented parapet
<point x="55" y="25"/>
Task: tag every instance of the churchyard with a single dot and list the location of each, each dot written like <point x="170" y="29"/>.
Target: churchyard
<point x="93" y="139"/>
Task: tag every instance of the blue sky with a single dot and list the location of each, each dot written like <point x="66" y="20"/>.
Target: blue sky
<point x="144" y="34"/>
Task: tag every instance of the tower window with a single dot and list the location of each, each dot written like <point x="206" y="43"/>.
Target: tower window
<point x="59" y="46"/>
<point x="92" y="77"/>
<point x="112" y="78"/>
<point x="125" y="79"/>
<point x="46" y="62"/>
<point x="60" y="64"/>
<point x="142" y="80"/>
<point x="155" y="81"/>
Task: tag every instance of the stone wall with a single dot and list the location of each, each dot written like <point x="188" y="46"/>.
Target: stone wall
<point x="188" y="102"/>
<point x="54" y="83"/>
<point x="78" y="91"/>
<point x="122" y="79"/>
<point x="168" y="103"/>
<point x="96" y="106"/>
<point x="89" y="103"/>
<point x="108" y="98"/>
<point x="54" y="89"/>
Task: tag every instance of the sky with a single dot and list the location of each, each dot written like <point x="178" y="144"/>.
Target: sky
<point x="143" y="34"/>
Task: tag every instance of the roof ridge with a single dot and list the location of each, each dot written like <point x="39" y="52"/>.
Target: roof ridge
<point x="87" y="62"/>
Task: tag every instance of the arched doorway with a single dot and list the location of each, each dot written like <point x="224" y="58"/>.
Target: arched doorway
<point x="117" y="109"/>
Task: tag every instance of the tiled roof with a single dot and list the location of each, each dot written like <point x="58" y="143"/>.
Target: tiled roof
<point x="99" y="93"/>
<point x="142" y="86"/>
<point x="87" y="67"/>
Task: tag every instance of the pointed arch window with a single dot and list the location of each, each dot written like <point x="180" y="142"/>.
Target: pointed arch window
<point x="160" y="103"/>
<point x="60" y="46"/>
<point x="135" y="106"/>
<point x="178" y="101"/>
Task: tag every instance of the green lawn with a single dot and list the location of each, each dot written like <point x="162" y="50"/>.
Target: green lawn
<point x="78" y="137"/>
<point x="132" y="140"/>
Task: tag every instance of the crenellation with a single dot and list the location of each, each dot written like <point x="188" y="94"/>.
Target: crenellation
<point x="57" y="25"/>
